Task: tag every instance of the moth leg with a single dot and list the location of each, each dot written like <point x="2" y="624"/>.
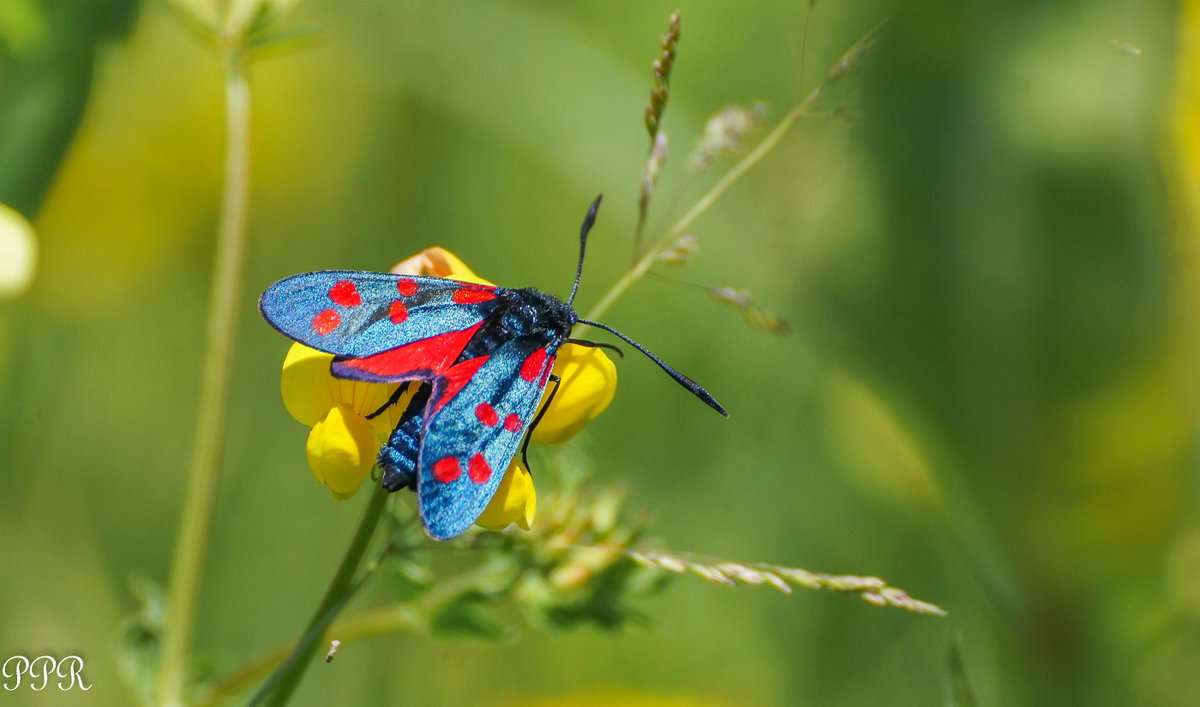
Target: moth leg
<point x="525" y="445"/>
<point x="392" y="400"/>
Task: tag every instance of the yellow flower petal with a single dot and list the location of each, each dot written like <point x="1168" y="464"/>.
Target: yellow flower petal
<point x="438" y="262"/>
<point x="369" y="397"/>
<point x="588" y="381"/>
<point x="341" y="450"/>
<point x="515" y="500"/>
<point x="309" y="391"/>
<point x="305" y="384"/>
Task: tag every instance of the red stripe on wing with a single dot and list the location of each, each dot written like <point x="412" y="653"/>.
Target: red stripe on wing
<point x="456" y="378"/>
<point x="435" y="354"/>
<point x="471" y="296"/>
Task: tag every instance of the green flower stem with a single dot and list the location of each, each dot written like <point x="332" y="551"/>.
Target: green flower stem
<point x="373" y="622"/>
<point x="279" y="688"/>
<point x="393" y="618"/>
<point x="191" y="544"/>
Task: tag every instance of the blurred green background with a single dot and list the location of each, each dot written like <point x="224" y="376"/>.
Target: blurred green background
<point x="988" y="395"/>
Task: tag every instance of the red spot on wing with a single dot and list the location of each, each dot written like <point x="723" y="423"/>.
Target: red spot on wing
<point x="345" y="294"/>
<point x="407" y="287"/>
<point x="434" y="355"/>
<point x="456" y="377"/>
<point x="397" y="312"/>
<point x="512" y="423"/>
<point x="447" y="470"/>
<point x="326" y="322"/>
<point x="546" y="373"/>
<point x="478" y="469"/>
<point x="466" y="296"/>
<point x="487" y="414"/>
<point x="532" y="367"/>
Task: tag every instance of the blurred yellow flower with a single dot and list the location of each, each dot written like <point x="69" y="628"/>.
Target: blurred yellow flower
<point x="18" y="252"/>
<point x="343" y="444"/>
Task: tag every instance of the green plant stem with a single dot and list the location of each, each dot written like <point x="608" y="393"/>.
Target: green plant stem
<point x="279" y="688"/>
<point x="642" y="266"/>
<point x="203" y="471"/>
<point x="372" y="622"/>
<point x="639" y="269"/>
<point x="393" y="618"/>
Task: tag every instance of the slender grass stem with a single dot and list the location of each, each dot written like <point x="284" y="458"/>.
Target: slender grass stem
<point x="192" y="542"/>
<point x="642" y="266"/>
<point x="841" y="68"/>
<point x="412" y="616"/>
<point x="342" y="587"/>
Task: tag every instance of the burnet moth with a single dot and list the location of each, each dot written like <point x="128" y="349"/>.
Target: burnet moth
<point x="480" y="355"/>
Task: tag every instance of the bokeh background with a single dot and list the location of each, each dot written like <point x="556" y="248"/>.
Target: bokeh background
<point x="986" y="249"/>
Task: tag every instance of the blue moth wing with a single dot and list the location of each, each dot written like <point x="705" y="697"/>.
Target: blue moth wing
<point x="472" y="434"/>
<point x="357" y="314"/>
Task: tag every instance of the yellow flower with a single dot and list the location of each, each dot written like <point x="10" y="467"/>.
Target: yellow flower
<point x="438" y="262"/>
<point x="587" y="383"/>
<point x="18" y="252"/>
<point x="514" y="502"/>
<point x="341" y="450"/>
<point x="343" y="443"/>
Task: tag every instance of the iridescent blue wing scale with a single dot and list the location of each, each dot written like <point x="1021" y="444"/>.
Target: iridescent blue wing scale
<point x="474" y="428"/>
<point x="384" y="327"/>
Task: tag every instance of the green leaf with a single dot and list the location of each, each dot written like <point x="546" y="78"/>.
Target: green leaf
<point x="406" y="578"/>
<point x="464" y="617"/>
<point x="496" y="576"/>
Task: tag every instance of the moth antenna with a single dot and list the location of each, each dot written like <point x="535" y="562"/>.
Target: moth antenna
<point x="596" y="345"/>
<point x="583" y="233"/>
<point x="695" y="388"/>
